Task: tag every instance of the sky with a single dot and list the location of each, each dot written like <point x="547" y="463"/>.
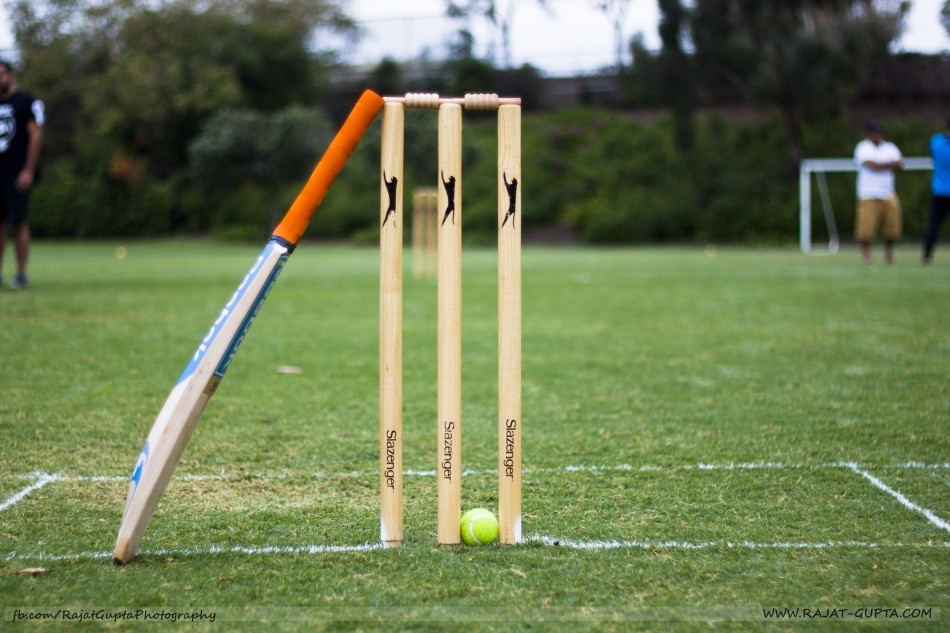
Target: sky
<point x="571" y="37"/>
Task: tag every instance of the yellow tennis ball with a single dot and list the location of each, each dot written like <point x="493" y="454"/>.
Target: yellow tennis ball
<point x="479" y="527"/>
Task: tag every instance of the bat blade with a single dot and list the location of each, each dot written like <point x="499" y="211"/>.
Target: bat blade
<point x="187" y="401"/>
<point x="183" y="408"/>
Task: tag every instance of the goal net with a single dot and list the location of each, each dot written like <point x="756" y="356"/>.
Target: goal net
<point x="819" y="167"/>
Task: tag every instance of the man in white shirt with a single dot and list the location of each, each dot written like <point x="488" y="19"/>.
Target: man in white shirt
<point x="879" y="209"/>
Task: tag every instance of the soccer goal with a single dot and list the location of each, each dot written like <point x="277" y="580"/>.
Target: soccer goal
<point x="820" y="167"/>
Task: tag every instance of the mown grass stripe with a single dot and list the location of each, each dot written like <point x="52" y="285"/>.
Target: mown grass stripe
<point x="646" y="468"/>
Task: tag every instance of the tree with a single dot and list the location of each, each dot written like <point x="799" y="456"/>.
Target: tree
<point x="387" y="77"/>
<point x="252" y="149"/>
<point x="163" y="80"/>
<point x="643" y="79"/>
<point x="142" y="76"/>
<point x="945" y="16"/>
<point x="129" y="83"/>
<point x="616" y="11"/>
<point x="500" y="13"/>
<point x="465" y="72"/>
<point x="676" y="69"/>
<point x="805" y="57"/>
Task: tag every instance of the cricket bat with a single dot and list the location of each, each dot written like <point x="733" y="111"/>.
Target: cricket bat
<point x="196" y="385"/>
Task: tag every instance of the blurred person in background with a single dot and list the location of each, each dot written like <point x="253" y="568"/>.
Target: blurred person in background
<point x="940" y="190"/>
<point x="879" y="209"/>
<point x="21" y="135"/>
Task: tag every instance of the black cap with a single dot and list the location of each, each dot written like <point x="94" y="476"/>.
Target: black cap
<point x="873" y="126"/>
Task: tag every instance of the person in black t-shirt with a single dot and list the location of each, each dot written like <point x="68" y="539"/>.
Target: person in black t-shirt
<point x="21" y="135"/>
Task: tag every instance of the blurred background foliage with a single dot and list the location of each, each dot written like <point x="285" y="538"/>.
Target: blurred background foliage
<point x="205" y="118"/>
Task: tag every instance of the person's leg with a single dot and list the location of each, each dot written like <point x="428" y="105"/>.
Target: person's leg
<point x="8" y="220"/>
<point x="22" y="238"/>
<point x="939" y="209"/>
<point x="892" y="227"/>
<point x="17" y="204"/>
<point x="864" y="227"/>
<point x="933" y="229"/>
<point x="3" y="243"/>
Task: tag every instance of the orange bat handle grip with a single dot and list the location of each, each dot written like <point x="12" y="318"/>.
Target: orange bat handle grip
<point x="295" y="222"/>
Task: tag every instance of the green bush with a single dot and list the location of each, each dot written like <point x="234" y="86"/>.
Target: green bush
<point x="611" y="177"/>
<point x="64" y="205"/>
<point x="248" y="212"/>
<point x="55" y="204"/>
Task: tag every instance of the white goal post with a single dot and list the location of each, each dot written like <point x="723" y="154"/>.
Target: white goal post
<point x="820" y="166"/>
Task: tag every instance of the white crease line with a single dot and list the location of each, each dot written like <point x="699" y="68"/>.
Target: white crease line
<point x="923" y="465"/>
<point x="699" y="466"/>
<point x="209" y="551"/>
<point x="686" y="545"/>
<point x="43" y="479"/>
<point x="549" y="541"/>
<point x="904" y="501"/>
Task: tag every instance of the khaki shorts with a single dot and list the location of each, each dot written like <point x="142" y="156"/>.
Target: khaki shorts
<point x="878" y="215"/>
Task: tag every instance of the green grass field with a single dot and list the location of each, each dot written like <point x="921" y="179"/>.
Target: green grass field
<point x="707" y="434"/>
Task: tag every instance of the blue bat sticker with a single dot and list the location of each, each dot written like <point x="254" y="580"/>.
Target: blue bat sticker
<point x="248" y="319"/>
